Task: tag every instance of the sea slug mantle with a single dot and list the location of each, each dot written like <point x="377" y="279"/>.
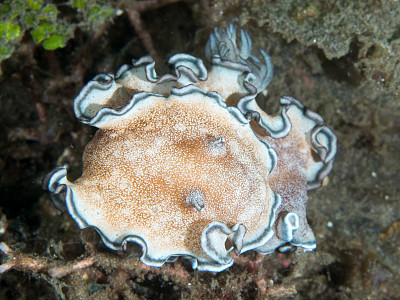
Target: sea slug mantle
<point x="187" y="164"/>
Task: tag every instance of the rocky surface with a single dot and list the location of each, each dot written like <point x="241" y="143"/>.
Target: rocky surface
<point x="348" y="75"/>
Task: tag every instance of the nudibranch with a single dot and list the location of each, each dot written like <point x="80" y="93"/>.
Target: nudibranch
<point x="187" y="164"/>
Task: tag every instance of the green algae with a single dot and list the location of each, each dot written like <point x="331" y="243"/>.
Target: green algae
<point x="49" y="23"/>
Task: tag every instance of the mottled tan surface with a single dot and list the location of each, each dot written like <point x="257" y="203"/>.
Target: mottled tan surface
<point x="136" y="178"/>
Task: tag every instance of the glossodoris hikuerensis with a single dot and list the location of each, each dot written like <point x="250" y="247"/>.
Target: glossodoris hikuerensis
<point x="187" y="164"/>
